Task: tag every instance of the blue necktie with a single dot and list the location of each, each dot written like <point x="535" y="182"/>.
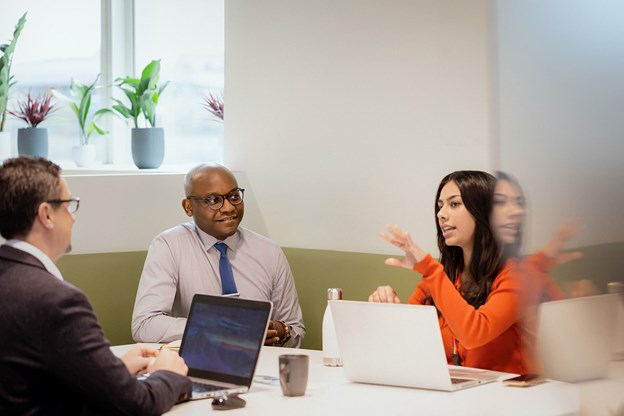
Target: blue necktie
<point x="225" y="268"/>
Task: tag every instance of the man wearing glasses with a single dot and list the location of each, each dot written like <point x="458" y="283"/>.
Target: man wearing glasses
<point x="213" y="255"/>
<point x="54" y="358"/>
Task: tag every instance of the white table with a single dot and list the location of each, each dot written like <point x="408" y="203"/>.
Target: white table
<point x="329" y="393"/>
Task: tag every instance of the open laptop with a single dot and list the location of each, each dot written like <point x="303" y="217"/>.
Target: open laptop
<point x="409" y="352"/>
<point x="222" y="342"/>
<point x="575" y="337"/>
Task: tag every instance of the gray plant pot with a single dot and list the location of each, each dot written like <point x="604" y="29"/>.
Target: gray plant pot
<point x="32" y="141"/>
<point x="148" y="147"/>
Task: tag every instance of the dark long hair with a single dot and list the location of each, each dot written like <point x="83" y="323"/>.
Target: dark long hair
<point x="477" y="191"/>
<point x="511" y="250"/>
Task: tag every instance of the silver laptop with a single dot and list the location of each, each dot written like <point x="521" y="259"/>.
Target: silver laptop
<point x="575" y="337"/>
<point x="222" y="342"/>
<point x="408" y="353"/>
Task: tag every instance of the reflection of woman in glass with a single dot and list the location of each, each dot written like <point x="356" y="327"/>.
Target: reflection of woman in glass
<point x="475" y="293"/>
<point x="535" y="284"/>
<point x="508" y="214"/>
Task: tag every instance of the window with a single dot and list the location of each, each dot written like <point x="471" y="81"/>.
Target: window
<point x="189" y="40"/>
<point x="60" y="40"/>
<point x="80" y="39"/>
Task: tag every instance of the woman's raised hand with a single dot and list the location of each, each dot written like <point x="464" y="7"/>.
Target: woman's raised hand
<point x="565" y="232"/>
<point x="402" y="240"/>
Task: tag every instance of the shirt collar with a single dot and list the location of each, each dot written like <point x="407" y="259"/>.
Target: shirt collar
<point x="40" y="255"/>
<point x="209" y="241"/>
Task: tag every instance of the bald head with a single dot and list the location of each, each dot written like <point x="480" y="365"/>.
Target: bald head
<point x="202" y="171"/>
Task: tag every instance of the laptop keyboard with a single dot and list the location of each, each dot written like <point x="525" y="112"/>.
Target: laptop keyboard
<point x="459" y="380"/>
<point x="204" y="388"/>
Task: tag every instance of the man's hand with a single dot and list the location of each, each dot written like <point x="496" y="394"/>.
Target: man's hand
<point x="274" y="333"/>
<point x="138" y="358"/>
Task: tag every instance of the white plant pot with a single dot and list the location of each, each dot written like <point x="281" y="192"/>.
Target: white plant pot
<point x="84" y="155"/>
<point x="5" y="145"/>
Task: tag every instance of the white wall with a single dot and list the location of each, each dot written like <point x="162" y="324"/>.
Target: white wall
<point x="124" y="212"/>
<point x="346" y="114"/>
<point x="561" y="100"/>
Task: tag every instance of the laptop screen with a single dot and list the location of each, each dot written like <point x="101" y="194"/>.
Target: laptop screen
<point x="223" y="337"/>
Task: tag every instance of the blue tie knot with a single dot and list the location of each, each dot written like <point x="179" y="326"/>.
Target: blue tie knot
<point x="222" y="247"/>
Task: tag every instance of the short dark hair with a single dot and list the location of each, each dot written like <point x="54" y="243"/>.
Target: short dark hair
<point x="477" y="193"/>
<point x="25" y="182"/>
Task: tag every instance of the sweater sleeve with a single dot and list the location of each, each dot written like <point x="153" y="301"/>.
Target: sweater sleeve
<point x="537" y="285"/>
<point x="472" y="327"/>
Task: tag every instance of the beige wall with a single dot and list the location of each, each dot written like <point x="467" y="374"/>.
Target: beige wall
<point x="346" y="114"/>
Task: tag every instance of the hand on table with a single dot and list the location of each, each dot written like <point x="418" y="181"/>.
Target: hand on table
<point x="384" y="294"/>
<point x="580" y="288"/>
<point x="169" y="360"/>
<point x="138" y="358"/>
<point x="274" y="333"/>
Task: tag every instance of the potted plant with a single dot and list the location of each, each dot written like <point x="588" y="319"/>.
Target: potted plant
<point x="6" y="81"/>
<point x="214" y="104"/>
<point x="33" y="140"/>
<point x="79" y="101"/>
<point x="213" y="146"/>
<point x="148" y="143"/>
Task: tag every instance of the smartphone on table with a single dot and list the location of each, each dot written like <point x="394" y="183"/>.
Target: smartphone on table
<point x="525" y="380"/>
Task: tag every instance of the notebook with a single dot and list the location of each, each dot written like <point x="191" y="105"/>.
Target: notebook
<point x="399" y="345"/>
<point x="221" y="343"/>
<point x="575" y="337"/>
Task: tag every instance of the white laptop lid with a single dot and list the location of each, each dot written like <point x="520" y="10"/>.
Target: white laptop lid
<point x="575" y="337"/>
<point x="396" y="345"/>
<point x="222" y="339"/>
<point x="618" y="336"/>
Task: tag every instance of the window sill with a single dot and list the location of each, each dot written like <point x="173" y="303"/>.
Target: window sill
<point x="102" y="169"/>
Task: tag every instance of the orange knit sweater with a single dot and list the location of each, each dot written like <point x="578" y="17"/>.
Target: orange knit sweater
<point x="490" y="337"/>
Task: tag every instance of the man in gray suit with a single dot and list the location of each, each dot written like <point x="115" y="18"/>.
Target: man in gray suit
<point x="54" y="358"/>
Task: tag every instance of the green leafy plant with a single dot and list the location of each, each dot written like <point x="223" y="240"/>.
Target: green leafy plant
<point x="80" y="103"/>
<point x="6" y="79"/>
<point x="142" y="94"/>
<point x="214" y="104"/>
<point x="34" y="110"/>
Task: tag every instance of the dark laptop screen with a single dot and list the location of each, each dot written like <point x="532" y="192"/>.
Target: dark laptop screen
<point x="224" y="336"/>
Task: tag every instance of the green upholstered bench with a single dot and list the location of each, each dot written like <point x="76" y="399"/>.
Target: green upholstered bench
<point x="111" y="279"/>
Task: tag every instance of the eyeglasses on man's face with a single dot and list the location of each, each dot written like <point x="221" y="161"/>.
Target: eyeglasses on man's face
<point x="72" y="204"/>
<point x="216" y="201"/>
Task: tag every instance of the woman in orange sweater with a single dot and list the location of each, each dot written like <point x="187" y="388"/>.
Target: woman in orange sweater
<point x="475" y="291"/>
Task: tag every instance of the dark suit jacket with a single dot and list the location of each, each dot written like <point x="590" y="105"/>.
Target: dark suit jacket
<point x="54" y="358"/>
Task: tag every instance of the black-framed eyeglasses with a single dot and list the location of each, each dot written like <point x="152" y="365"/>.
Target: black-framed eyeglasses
<point x="72" y="204"/>
<point x="216" y="201"/>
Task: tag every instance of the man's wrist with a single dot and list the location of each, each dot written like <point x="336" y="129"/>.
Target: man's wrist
<point x="287" y="333"/>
